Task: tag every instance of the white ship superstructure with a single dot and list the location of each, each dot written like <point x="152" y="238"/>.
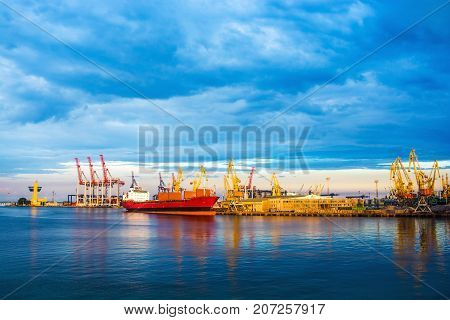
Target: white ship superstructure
<point x="136" y="193"/>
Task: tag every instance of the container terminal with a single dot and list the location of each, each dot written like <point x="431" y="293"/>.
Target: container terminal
<point x="413" y="192"/>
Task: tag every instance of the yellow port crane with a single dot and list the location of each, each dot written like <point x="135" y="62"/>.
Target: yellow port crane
<point x="199" y="178"/>
<point x="418" y="172"/>
<point x="233" y="176"/>
<point x="435" y="174"/>
<point x="445" y="186"/>
<point x="176" y="182"/>
<point x="276" y="188"/>
<point x="402" y="185"/>
<point x="231" y="183"/>
<point x="425" y="183"/>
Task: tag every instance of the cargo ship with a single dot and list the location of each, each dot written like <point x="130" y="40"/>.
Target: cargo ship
<point x="174" y="200"/>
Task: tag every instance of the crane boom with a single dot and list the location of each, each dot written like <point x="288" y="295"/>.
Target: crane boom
<point x="162" y="185"/>
<point x="80" y="172"/>
<point x="276" y="189"/>
<point x="435" y="173"/>
<point x="425" y="183"/>
<point x="199" y="178"/>
<point x="402" y="185"/>
<point x="250" y="179"/>
<point x="176" y="182"/>
<point x="104" y="169"/>
<point x="91" y="170"/>
<point x="233" y="176"/>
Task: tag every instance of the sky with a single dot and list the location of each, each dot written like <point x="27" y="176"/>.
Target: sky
<point x="79" y="78"/>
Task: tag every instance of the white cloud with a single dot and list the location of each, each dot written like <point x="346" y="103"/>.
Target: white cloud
<point x="25" y="96"/>
<point x="343" y="20"/>
<point x="250" y="43"/>
<point x="113" y="125"/>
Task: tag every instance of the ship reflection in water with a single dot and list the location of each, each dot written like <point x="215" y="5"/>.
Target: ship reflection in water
<point x="111" y="254"/>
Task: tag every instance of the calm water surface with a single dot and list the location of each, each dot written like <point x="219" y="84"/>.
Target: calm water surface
<point x="110" y="254"/>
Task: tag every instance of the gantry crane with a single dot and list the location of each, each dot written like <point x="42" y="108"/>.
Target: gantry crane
<point x="227" y="187"/>
<point x="425" y="183"/>
<point x="134" y="183"/>
<point x="231" y="183"/>
<point x="92" y="182"/>
<point x="82" y="181"/>
<point x="276" y="188"/>
<point x="95" y="185"/>
<point x="176" y="182"/>
<point x="402" y="185"/>
<point x="199" y="178"/>
<point x="445" y="186"/>
<point x="249" y="187"/>
<point x="162" y="185"/>
<point x="421" y="177"/>
<point x="435" y="174"/>
<point x="108" y="183"/>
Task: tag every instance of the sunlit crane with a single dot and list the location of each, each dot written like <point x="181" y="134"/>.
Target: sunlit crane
<point x="445" y="186"/>
<point x="250" y="179"/>
<point x="402" y="185"/>
<point x="248" y="189"/>
<point x="176" y="182"/>
<point x="231" y="183"/>
<point x="199" y="178"/>
<point x="233" y="176"/>
<point x="418" y="173"/>
<point x="276" y="188"/>
<point x="435" y="174"/>
<point x="425" y="183"/>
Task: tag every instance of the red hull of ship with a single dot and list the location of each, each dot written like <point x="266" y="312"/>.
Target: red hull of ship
<point x="193" y="206"/>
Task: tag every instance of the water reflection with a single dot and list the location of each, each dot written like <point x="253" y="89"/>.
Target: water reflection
<point x="416" y="244"/>
<point x="139" y="255"/>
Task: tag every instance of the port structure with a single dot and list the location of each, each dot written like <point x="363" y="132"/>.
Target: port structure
<point x="445" y="187"/>
<point x="234" y="190"/>
<point x="35" y="200"/>
<point x="200" y="179"/>
<point x="96" y="191"/>
<point x="403" y="187"/>
<point x="176" y="181"/>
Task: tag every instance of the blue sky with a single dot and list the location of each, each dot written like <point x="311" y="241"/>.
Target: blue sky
<point x="222" y="63"/>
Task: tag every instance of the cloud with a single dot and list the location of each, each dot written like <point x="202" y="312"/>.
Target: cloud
<point x="222" y="63"/>
<point x="28" y="97"/>
<point x="248" y="44"/>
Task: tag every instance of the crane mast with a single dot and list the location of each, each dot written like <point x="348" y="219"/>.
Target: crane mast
<point x="200" y="177"/>
<point x="91" y="170"/>
<point x="418" y="173"/>
<point x="176" y="182"/>
<point x="402" y="185"/>
<point x="276" y="188"/>
<point x="80" y="172"/>
<point x="445" y="186"/>
<point x="435" y="174"/>
<point x="233" y="176"/>
<point x="233" y="189"/>
<point x="162" y="185"/>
